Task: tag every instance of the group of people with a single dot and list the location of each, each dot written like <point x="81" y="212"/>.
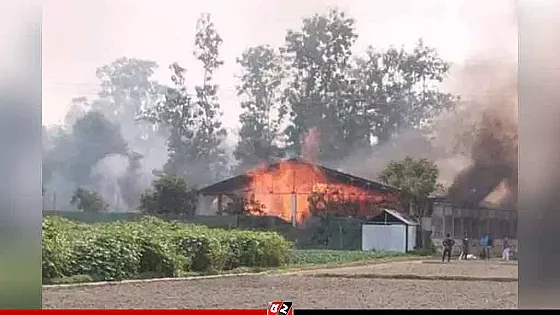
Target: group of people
<point x="486" y="243"/>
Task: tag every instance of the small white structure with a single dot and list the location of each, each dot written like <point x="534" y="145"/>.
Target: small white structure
<point x="390" y="231"/>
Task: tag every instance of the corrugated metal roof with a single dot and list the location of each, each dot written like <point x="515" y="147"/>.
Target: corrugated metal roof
<point x="401" y="217"/>
<point x="240" y="181"/>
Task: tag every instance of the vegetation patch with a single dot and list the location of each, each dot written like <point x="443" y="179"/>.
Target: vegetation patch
<point x="306" y="257"/>
<point x="152" y="248"/>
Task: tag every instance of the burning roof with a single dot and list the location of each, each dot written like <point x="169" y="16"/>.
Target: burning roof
<point x="292" y="188"/>
<point x="242" y="182"/>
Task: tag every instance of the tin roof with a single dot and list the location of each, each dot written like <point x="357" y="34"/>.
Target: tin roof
<point x="241" y="181"/>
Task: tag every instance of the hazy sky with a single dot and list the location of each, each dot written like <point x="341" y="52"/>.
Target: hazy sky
<point x="82" y="35"/>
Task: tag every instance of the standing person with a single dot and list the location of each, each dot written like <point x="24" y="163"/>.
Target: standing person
<point x="464" y="247"/>
<point x="506" y="249"/>
<point x="483" y="246"/>
<point x="448" y="243"/>
<point x="489" y="244"/>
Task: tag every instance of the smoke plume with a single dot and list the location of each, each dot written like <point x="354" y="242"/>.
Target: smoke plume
<point x="488" y="136"/>
<point x="310" y="145"/>
<point x="474" y="146"/>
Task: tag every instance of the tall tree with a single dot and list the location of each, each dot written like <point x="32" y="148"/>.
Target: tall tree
<point x="263" y="112"/>
<point x="399" y="89"/>
<point x="194" y="126"/>
<point x="320" y="93"/>
<point x="177" y="115"/>
<point x="210" y="133"/>
<point x="127" y="89"/>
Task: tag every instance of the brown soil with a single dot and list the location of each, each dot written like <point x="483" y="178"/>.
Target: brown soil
<point x="305" y="290"/>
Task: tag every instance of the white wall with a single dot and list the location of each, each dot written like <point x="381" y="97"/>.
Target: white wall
<point x="384" y="237"/>
<point x="411" y="237"/>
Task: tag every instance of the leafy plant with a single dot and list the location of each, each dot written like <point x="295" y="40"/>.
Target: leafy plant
<point x="169" y="195"/>
<point x="131" y="250"/>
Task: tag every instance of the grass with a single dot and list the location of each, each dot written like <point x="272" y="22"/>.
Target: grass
<point x="311" y="257"/>
<point x="302" y="260"/>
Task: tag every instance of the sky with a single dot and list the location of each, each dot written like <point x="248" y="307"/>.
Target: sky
<point x="81" y="35"/>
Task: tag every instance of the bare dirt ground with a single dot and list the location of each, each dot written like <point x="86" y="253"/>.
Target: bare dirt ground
<point x="307" y="291"/>
<point x="473" y="268"/>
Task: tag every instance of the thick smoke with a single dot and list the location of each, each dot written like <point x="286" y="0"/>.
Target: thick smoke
<point x="118" y="178"/>
<point x="474" y="146"/>
<point x="489" y="136"/>
<point x="106" y="174"/>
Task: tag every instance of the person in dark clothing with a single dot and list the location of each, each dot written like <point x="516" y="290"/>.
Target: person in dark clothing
<point x="484" y="241"/>
<point x="465" y="247"/>
<point x="448" y="243"/>
<point x="489" y="246"/>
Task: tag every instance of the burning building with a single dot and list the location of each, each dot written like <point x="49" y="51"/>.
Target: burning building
<point x="295" y="189"/>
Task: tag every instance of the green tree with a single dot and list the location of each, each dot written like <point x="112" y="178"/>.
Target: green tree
<point x="263" y="113"/>
<point x="399" y="89"/>
<point x="320" y="93"/>
<point x="417" y="179"/>
<point x="126" y="91"/>
<point x="177" y="114"/>
<point x="208" y="137"/>
<point x="88" y="201"/>
<point x="169" y="195"/>
<point x="195" y="131"/>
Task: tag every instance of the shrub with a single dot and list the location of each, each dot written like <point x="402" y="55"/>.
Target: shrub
<point x="108" y="252"/>
<point x="57" y="252"/>
<point x="169" y="195"/>
<point x="127" y="250"/>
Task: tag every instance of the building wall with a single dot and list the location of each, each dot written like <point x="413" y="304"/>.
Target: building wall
<point x="384" y="237"/>
<point x="475" y="222"/>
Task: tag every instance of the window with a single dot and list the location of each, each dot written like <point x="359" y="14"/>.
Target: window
<point x="448" y="226"/>
<point x="457" y="227"/>
<point x="505" y="228"/>
<point x="474" y="229"/>
<point x="437" y="226"/>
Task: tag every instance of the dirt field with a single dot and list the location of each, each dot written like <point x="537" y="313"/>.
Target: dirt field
<point x="495" y="269"/>
<point x="306" y="290"/>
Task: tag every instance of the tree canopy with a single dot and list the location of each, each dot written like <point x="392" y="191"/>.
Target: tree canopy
<point x="169" y="195"/>
<point x="313" y="83"/>
<point x="88" y="201"/>
<point x="417" y="179"/>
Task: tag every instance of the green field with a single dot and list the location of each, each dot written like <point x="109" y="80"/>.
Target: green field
<point x="306" y="257"/>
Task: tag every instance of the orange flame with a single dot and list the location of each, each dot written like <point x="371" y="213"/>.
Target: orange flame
<point x="280" y="188"/>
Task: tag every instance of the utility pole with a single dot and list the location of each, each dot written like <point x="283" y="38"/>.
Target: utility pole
<point x="294" y="201"/>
